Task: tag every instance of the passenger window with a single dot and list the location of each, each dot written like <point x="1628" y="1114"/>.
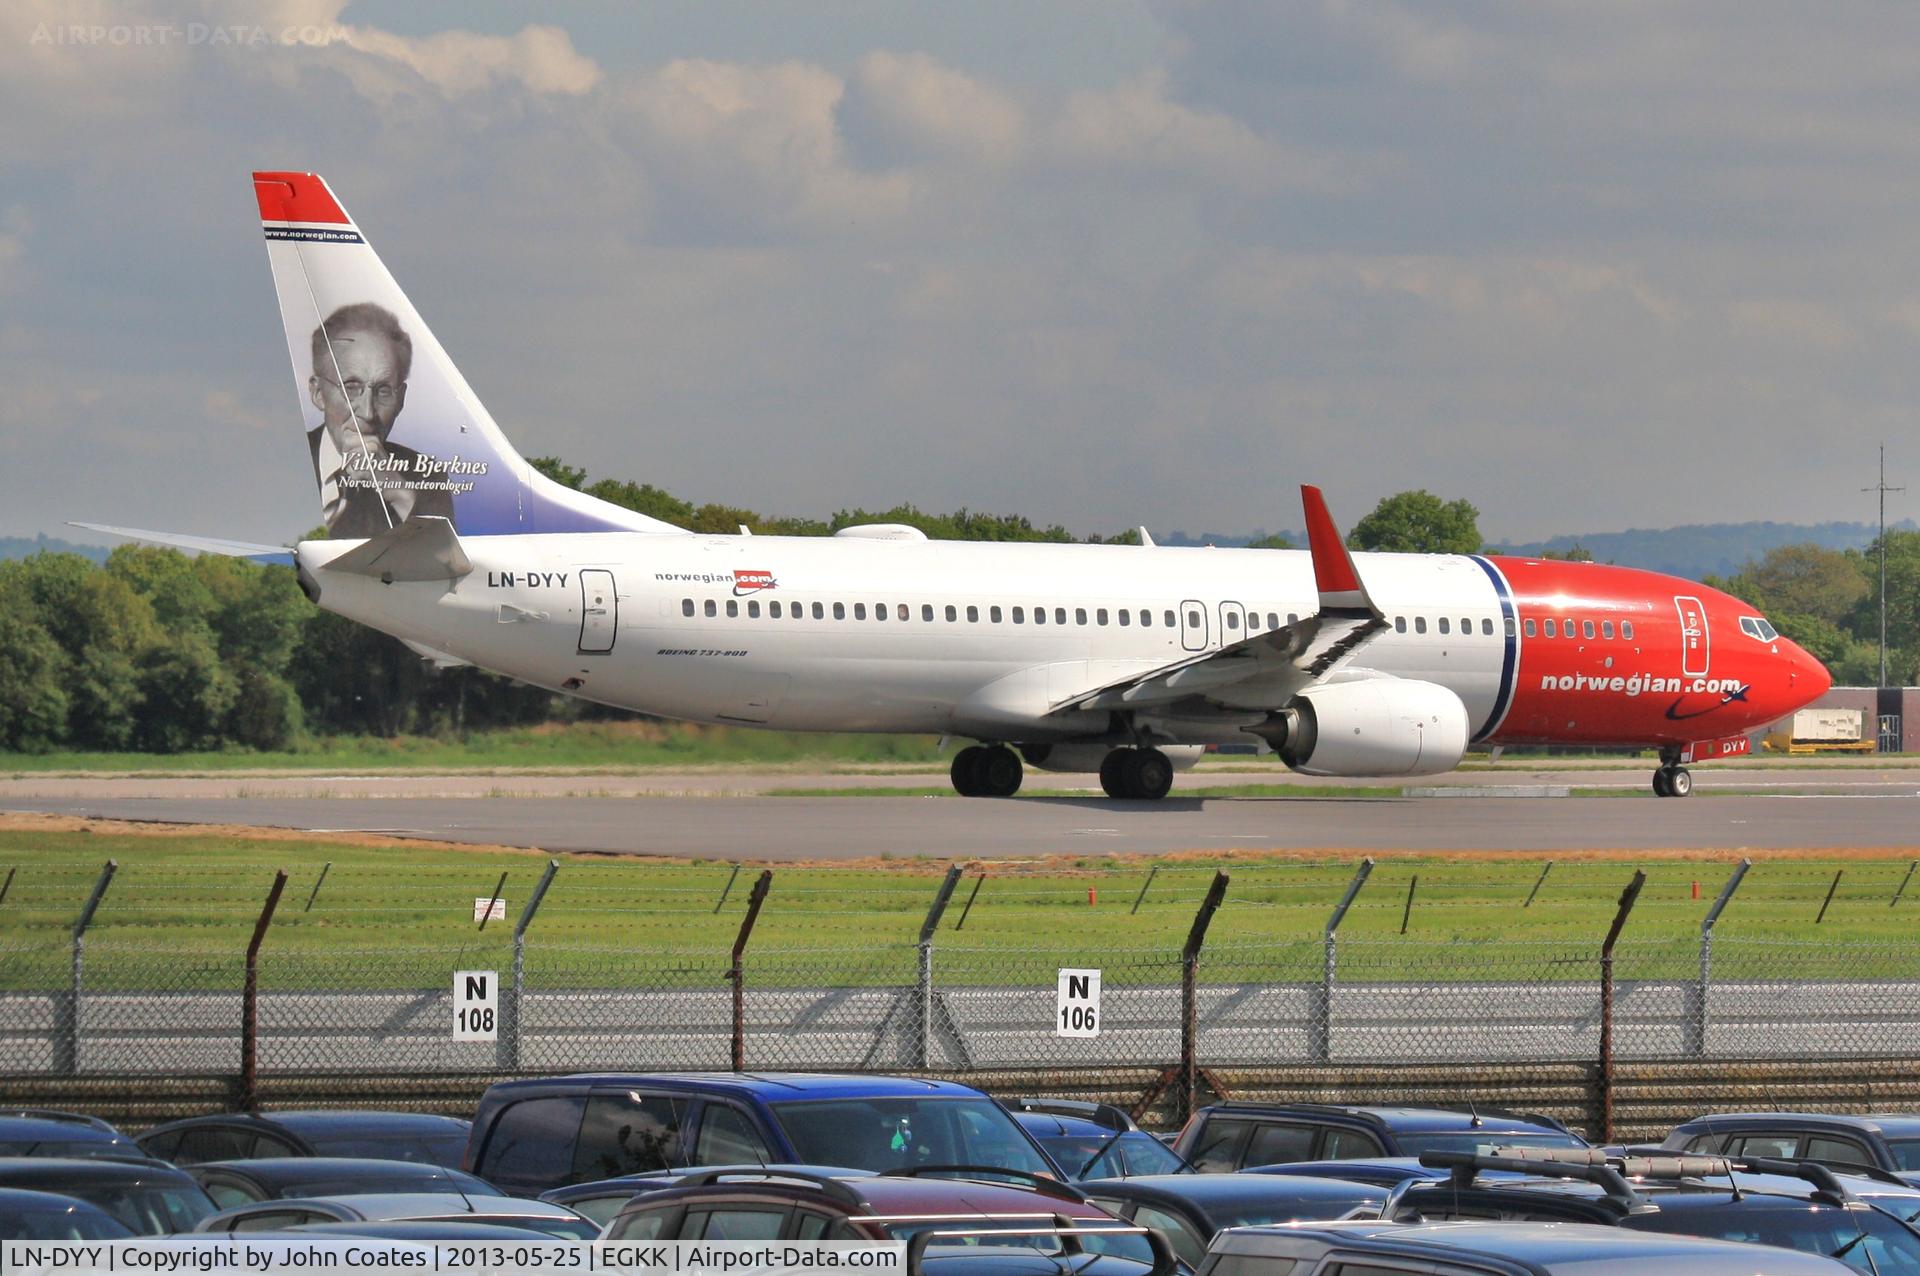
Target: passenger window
<point x="953" y="613"/>
<point x="773" y="609"/>
<point x="1168" y="618"/>
<point x="275" y="1220"/>
<point x="642" y="1226"/>
<point x="627" y="1134"/>
<point x="1019" y="615"/>
<point x="993" y="614"/>
<point x="1193" y="620"/>
<point x="753" y="609"/>
<point x="1823" y="1147"/>
<point x="1706" y="1143"/>
<point x="879" y="611"/>
<point x="1146" y="618"/>
<point x="734" y="1225"/>
<point x="265" y="1145"/>
<point x="1586" y="629"/>
<point x="926" y="612"/>
<point x="1293" y="618"/>
<point x="227" y="1194"/>
<point x="686" y="606"/>
<point x="1079" y="615"/>
<point x="973" y="615"/>
<point x="1626" y="630"/>
<point x="1606" y="629"/>
<point x="213" y="1143"/>
<point x="532" y="1143"/>
<point x="1273" y="1144"/>
<point x="1529" y="627"/>
<point x="727" y="1137"/>
<point x="1125" y="617"/>
<point x="902" y="613"/>
<point x="1548" y="629"/>
<point x="859" y="611"/>
<point x="733" y="609"/>
<point x="1780" y="1145"/>
<point x="1443" y="624"/>
<point x="1233" y="620"/>
<point x="1486" y="626"/>
<point x="839" y="611"/>
<point x="1039" y="615"/>
<point x="1508" y="622"/>
<point x="808" y="1226"/>
<point x="1273" y="620"/>
<point x="1419" y="624"/>
<point x="1190" y="1247"/>
<point x="1466" y="624"/>
<point x="1400" y="624"/>
<point x="1100" y="615"/>
<point x="1059" y="615"/>
<point x="711" y="610"/>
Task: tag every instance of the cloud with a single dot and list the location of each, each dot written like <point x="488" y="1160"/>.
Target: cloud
<point x="542" y="58"/>
<point x="907" y="108"/>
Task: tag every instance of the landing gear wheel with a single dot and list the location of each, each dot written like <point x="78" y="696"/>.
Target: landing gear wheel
<point x="1662" y="786"/>
<point x="1679" y="782"/>
<point x="1116" y="774"/>
<point x="1152" y="774"/>
<point x="997" y="772"/>
<point x="966" y="771"/>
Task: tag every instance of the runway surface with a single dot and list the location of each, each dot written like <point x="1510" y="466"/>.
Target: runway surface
<point x="701" y="814"/>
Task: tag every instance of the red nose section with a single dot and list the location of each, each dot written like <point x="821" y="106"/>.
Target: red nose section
<point x="1811" y="677"/>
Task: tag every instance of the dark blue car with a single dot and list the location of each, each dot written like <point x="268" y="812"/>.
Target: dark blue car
<point x="1094" y="1140"/>
<point x="532" y="1136"/>
<point x="1236" y="1136"/>
<point x="47" y="1133"/>
<point x="235" y="1136"/>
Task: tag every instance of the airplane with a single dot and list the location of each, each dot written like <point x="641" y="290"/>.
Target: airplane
<point x="1128" y="660"/>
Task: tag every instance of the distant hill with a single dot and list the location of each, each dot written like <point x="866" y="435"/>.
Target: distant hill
<point x="21" y="546"/>
<point x="1706" y="549"/>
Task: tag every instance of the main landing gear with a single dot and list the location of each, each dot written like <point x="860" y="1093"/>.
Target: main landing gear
<point x="1672" y="779"/>
<point x="987" y="771"/>
<point x="1136" y="774"/>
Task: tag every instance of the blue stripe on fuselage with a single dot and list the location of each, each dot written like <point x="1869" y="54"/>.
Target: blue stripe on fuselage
<point x="1510" y="625"/>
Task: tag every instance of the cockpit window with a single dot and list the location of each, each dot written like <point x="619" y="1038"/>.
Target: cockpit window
<point x="1755" y="627"/>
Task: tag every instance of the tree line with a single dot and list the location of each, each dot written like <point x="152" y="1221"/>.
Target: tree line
<point x="157" y="652"/>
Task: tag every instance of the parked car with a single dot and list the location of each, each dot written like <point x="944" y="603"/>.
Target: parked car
<point x="1887" y="1141"/>
<point x="232" y="1183"/>
<point x="145" y="1197"/>
<point x="237" y="1136"/>
<point x="1094" y="1140"/>
<point x="601" y="1199"/>
<point x="1792" y="1205"/>
<point x="430" y="1207"/>
<point x="531" y="1136"/>
<point x="423" y="1231"/>
<point x="1233" y="1136"/>
<point x="1493" y="1249"/>
<point x="749" y="1203"/>
<point x="42" y="1132"/>
<point x="48" y="1216"/>
<point x="1037" y="1250"/>
<point x="1192" y="1208"/>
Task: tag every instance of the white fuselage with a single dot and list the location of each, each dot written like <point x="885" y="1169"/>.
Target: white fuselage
<point x="685" y="626"/>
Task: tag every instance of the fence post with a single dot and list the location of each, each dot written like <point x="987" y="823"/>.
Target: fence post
<point x="250" y="1001"/>
<point x="508" y="1049"/>
<point x="68" y="1059"/>
<point x="1190" y="994"/>
<point x="925" y="983"/>
<point x="1627" y="898"/>
<point x="726" y="890"/>
<point x="1829" y="899"/>
<point x="1322" y="1026"/>
<point x="1697" y="1019"/>
<point x="1901" y="890"/>
<point x="1144" y="888"/>
<point x="737" y="974"/>
<point x="8" y="884"/>
<point x="1538" y="883"/>
<point x="978" y="882"/>
<point x="318" y="882"/>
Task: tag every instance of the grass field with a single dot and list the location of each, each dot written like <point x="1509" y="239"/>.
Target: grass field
<point x="195" y="897"/>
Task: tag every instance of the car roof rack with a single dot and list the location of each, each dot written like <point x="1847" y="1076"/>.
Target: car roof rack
<point x="1465" y="1166"/>
<point x="1110" y="1115"/>
<point x="1368" y="1113"/>
<point x="1165" y="1262"/>
<point x="1043" y="1183"/>
<point x="712" y="1175"/>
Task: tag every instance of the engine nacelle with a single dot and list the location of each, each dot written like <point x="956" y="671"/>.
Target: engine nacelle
<point x="1088" y="757"/>
<point x="1381" y="726"/>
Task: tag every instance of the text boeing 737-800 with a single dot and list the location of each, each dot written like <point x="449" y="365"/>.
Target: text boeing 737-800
<point x="1127" y="660"/>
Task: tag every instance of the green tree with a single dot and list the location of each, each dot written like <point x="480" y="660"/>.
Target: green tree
<point x="1271" y="541"/>
<point x="644" y="498"/>
<point x="1419" y="522"/>
<point x="1803" y="580"/>
<point x="185" y="693"/>
<point x="559" y="471"/>
<point x="33" y="697"/>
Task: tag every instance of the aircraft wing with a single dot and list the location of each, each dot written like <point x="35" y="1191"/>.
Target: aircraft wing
<point x="199" y="544"/>
<point x="1272" y="667"/>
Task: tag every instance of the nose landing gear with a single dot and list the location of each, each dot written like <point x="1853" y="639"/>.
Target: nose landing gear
<point x="1672" y="779"/>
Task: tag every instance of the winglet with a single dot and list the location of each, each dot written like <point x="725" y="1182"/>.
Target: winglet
<point x="1333" y="571"/>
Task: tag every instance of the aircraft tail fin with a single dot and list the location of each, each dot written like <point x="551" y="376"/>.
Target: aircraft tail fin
<point x="392" y="427"/>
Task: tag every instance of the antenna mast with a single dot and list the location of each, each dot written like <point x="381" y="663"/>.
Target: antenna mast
<point x="1882" y="488"/>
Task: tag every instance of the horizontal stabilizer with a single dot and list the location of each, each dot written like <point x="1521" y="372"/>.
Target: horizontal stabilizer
<point x="422" y="548"/>
<point x="199" y="544"/>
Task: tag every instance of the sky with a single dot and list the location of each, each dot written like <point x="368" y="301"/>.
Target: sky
<point x="1098" y="262"/>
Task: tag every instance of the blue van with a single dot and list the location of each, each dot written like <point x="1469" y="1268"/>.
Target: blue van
<point x="532" y="1136"/>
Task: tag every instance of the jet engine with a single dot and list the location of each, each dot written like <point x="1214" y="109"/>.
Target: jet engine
<point x="1088" y="757"/>
<point x="1381" y="726"/>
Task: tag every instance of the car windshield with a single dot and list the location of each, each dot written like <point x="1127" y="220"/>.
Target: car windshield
<point x="56" y="1223"/>
<point x="901" y="1133"/>
<point x="1133" y="1153"/>
<point x="427" y="1149"/>
<point x="1863" y="1239"/>
<point x="1482" y="1140"/>
<point x="1906" y="1153"/>
<point x="145" y="1209"/>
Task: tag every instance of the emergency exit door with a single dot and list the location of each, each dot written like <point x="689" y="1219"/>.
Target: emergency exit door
<point x="599" y="611"/>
